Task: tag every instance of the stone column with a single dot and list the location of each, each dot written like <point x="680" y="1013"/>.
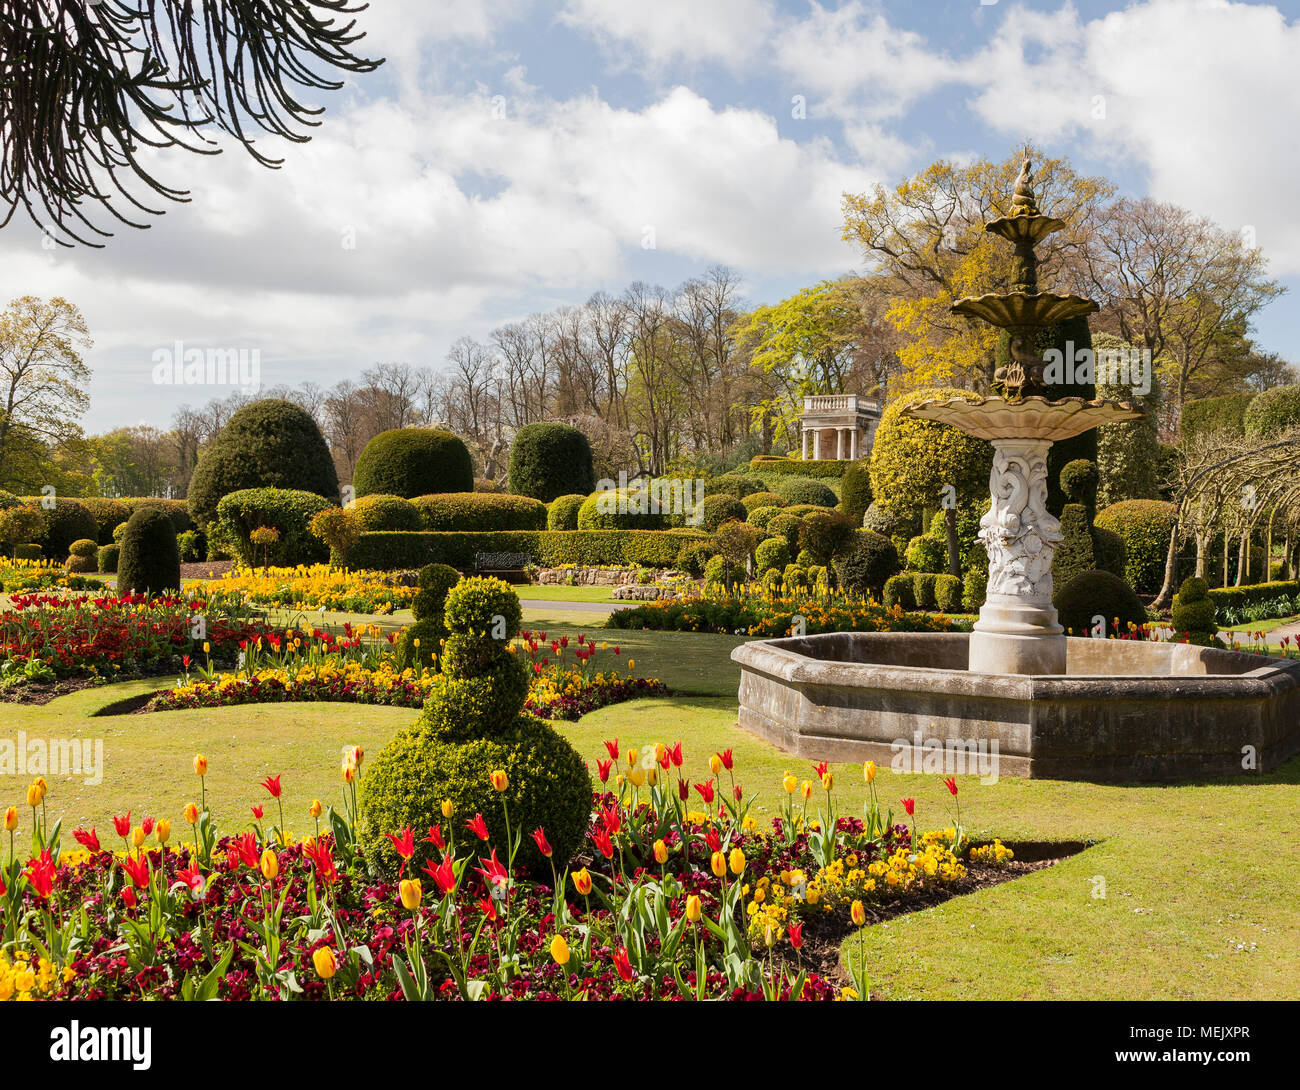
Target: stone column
<point x="806" y="434"/>
<point x="839" y="443"/>
<point x="853" y="443"/>
<point x="1017" y="632"/>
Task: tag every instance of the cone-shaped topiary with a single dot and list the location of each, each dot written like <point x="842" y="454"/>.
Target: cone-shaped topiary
<point x="473" y="724"/>
<point x="268" y="444"/>
<point x="1194" y="613"/>
<point x="149" y="561"/>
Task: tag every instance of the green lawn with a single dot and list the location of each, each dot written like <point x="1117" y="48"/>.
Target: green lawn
<point x="1199" y="880"/>
<point x="548" y="593"/>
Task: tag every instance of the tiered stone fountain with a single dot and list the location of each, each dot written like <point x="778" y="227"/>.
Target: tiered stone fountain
<point x="1044" y="704"/>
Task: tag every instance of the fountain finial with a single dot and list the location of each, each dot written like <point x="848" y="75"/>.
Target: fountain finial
<point x="1022" y="198"/>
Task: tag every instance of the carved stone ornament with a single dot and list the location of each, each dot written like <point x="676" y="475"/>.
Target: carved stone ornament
<point x="1018" y="532"/>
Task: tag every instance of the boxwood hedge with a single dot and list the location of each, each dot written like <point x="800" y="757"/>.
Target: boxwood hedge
<point x="389" y="551"/>
<point x="478" y="512"/>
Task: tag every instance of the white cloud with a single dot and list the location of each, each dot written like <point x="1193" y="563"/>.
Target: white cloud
<point x="731" y="31"/>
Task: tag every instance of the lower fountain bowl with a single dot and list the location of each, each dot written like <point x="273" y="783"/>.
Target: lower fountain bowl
<point x="1122" y="711"/>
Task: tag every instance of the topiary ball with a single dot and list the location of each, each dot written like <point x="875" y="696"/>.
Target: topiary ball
<point x="899" y="591"/>
<point x="549" y="460"/>
<point x="1098" y="594"/>
<point x="756" y="500"/>
<point x="1194" y="612"/>
<point x="1194" y="589"/>
<point x="436" y="581"/>
<point x="411" y="462"/>
<point x="796" y="490"/>
<point x="380" y="512"/>
<point x="149" y="561"/>
<point x="562" y="514"/>
<point x="772" y="553"/>
<point x="869" y="560"/>
<point x="483" y="606"/>
<point x="722" y="508"/>
<point x="1079" y="480"/>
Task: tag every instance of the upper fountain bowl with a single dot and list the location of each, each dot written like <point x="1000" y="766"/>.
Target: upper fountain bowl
<point x="1024" y="309"/>
<point x="1033" y="418"/>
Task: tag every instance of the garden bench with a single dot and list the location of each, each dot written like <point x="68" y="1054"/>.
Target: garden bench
<point x="512" y="567"/>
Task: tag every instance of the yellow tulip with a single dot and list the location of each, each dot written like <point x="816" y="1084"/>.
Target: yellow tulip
<point x="191" y="813"/>
<point x="828" y="781"/>
<point x="315" y="808"/>
<point x="270" y="865"/>
<point x="858" y="913"/>
<point x="636" y="776"/>
<point x="693" y="909"/>
<point x="349" y="772"/>
<point x="869" y="771"/>
<point x="661" y="852"/>
<point x="411" y="892"/>
<point x="448" y="808"/>
<point x="137" y="836"/>
<point x="163" y="830"/>
<point x="200" y="765"/>
<point x="737" y="861"/>
<point x="715" y="764"/>
<point x="33" y="796"/>
<point x="560" y="950"/>
<point x="323" y="960"/>
<point x="806" y="789"/>
<point x="790" y="784"/>
<point x="719" y="864"/>
<point x="632" y="756"/>
<point x="11" y="818"/>
<point x="498" y="779"/>
<point x="582" y="881"/>
<point x="206" y="647"/>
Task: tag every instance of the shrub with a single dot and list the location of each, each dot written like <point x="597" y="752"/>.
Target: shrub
<point x="1272" y="412"/>
<point x="82" y="556"/>
<point x="67" y="521"/>
<point x="1074" y="555"/>
<point x="20" y="524"/>
<point x="923" y="589"/>
<point x="926" y="554"/>
<point x="412" y="462"/>
<point x="482" y="484"/>
<point x="149" y="561"/>
<point x="797" y="490"/>
<point x="795" y="577"/>
<point x="107" y="558"/>
<point x="695" y="556"/>
<point x="8" y="499"/>
<point x="1108" y="551"/>
<point x="1097" y="593"/>
<point x="891" y="524"/>
<point x="430" y="629"/>
<point x="1194" y="613"/>
<point x="176" y="510"/>
<point x="268" y="444"/>
<point x="1079" y="480"/>
<point x="787" y="525"/>
<point x="563" y="512"/>
<point x="479" y="512"/>
<point x="762" y="517"/>
<point x="718" y="572"/>
<point x="648" y="548"/>
<point x="757" y="500"/>
<point x="473" y="724"/>
<point x="799" y="510"/>
<point x="899" y="591"/>
<point x="549" y="460"/>
<point x="1144" y="527"/>
<point x="28" y="551"/>
<point x="83" y="547"/>
<point x="379" y="512"/>
<point x="720" y="509"/>
<point x="868" y="561"/>
<point x="284" y="509"/>
<point x="825" y="535"/>
<point x="772" y="553"/>
<point x="620" y="509"/>
<point x="118" y="531"/>
<point x="735" y="485"/>
<point x="192" y="546"/>
<point x="338" y="529"/>
<point x="855" y="491"/>
<point x="770" y="464"/>
<point x="108" y="514"/>
<point x="974" y="589"/>
<point x="1226" y="413"/>
<point x="948" y="591"/>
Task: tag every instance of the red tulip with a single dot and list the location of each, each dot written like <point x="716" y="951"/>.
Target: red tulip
<point x="128" y="896"/>
<point x="910" y="806"/>
<point x="478" y="827"/>
<point x="138" y="870"/>
<point x="612" y="819"/>
<point x="675" y="752"/>
<point x="736" y="792"/>
<point x="272" y="784"/>
<point x="951" y="781"/>
<point x="88" y="840"/>
<point x="603" y="768"/>
<point x="821" y="768"/>
<point x="443" y="875"/>
<point x="122" y="823"/>
<point x="603" y="842"/>
<point x="245" y="850"/>
<point x="41" y="874"/>
<point x="489" y="909"/>
<point x="622" y="965"/>
<point x="706" y="791"/>
<point x="323" y="859"/>
<point x="494" y="874"/>
<point x="257" y="812"/>
<point x="404" y="843"/>
<point x="192" y="877"/>
<point x="796" y="935"/>
<point x="147" y="825"/>
<point x="612" y="749"/>
<point x="726" y="759"/>
<point x="435" y="838"/>
<point x="684" y="789"/>
<point x="539" y="838"/>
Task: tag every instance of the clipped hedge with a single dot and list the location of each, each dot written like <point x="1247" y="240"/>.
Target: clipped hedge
<point x="413" y="462"/>
<point x="768" y="463"/>
<point x="390" y="551"/>
<point x="1239" y="597"/>
<point x="380" y="512"/>
<point x="548" y="460"/>
<point x="798" y="490"/>
<point x="1272" y="412"/>
<point x="287" y="510"/>
<point x="67" y="521"/>
<point x="593" y="515"/>
<point x="479" y="512"/>
<point x="108" y="514"/>
<point x="1144" y="526"/>
<point x="562" y="514"/>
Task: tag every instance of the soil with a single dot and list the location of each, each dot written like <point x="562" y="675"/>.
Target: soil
<point x="45" y="691"/>
<point x="206" y="569"/>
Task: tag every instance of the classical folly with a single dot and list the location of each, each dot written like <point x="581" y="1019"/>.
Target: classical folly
<point x="838" y="426"/>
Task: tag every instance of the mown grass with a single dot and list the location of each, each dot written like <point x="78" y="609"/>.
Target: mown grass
<point x="1199" y="880"/>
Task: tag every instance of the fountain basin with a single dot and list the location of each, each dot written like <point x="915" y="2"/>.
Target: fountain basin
<point x="1122" y="711"/>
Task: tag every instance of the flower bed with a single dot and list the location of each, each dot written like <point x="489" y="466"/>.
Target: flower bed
<point x="17" y="576"/>
<point x="750" y="612"/>
<point x="318" y="586"/>
<point x="663" y="901"/>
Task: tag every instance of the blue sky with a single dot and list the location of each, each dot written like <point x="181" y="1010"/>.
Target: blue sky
<point x="512" y="155"/>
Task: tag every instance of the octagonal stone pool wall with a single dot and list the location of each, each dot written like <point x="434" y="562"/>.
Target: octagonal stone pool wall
<point x="1123" y="710"/>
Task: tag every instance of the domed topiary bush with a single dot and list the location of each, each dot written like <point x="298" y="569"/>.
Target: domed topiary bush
<point x="268" y="444"/>
<point x="149" y="561"/>
<point x="899" y="591"/>
<point x="824" y="535"/>
<point x="436" y="581"/>
<point x="1194" y="613"/>
<point x="620" y="509"/>
<point x="926" y="554"/>
<point x="736" y="485"/>
<point x="787" y="525"/>
<point x="380" y="512"/>
<point x="720" y="509"/>
<point x="756" y="500"/>
<point x="923" y="583"/>
<point x="473" y="724"/>
<point x="289" y="511"/>
<point x="65" y="522"/>
<point x="1144" y="526"/>
<point x="107" y="558"/>
<point x="866" y="563"/>
<point x="562" y="514"/>
<point x="762" y="517"/>
<point x="855" y="491"/>
<point x="83" y="555"/>
<point x="549" y="460"/>
<point x="772" y="553"/>
<point x="719" y="573"/>
<point x="796" y="490"/>
<point x="1098" y="594"/>
<point x="411" y="462"/>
